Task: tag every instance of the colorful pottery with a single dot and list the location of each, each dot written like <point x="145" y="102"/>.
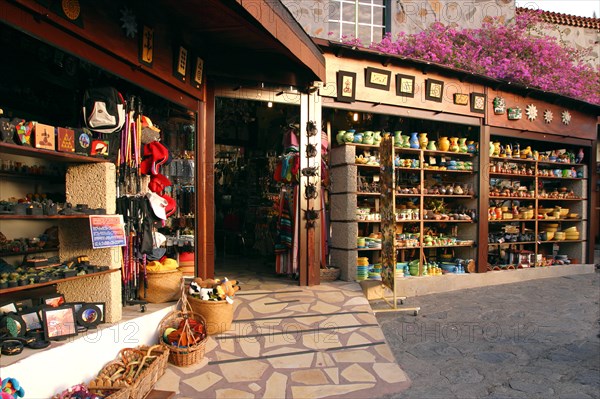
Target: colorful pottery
<point x="471" y="147"/>
<point x="423" y="140"/>
<point x="443" y="143"/>
<point x="462" y="145"/>
<point x="358" y="137"/>
<point x="349" y="136"/>
<point x="414" y="140"/>
<point x="398" y="138"/>
<point x="453" y="144"/>
<point x="431" y="145"/>
<point x="405" y="142"/>
<point x="340" y="137"/>
<point x="376" y="137"/>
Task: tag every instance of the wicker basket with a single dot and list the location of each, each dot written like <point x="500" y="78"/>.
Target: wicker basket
<point x="330" y="274"/>
<point x="163" y="286"/>
<point x="218" y="314"/>
<point x="122" y="393"/>
<point x="182" y="356"/>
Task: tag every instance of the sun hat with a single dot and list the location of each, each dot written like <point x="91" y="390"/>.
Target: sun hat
<point x="158" y="205"/>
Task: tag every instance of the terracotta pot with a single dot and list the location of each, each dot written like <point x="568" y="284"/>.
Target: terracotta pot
<point x="443" y="143"/>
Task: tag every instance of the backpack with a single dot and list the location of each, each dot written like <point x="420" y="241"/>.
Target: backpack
<point x="103" y="110"/>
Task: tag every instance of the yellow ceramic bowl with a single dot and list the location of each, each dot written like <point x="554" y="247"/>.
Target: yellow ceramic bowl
<point x="559" y="236"/>
<point x="551" y="225"/>
<point x="552" y="229"/>
<point x="550" y="235"/>
<point x="572" y="229"/>
<point x="573" y="216"/>
<point x="564" y="212"/>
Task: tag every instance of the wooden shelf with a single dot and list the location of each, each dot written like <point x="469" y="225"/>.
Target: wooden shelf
<point x="559" y="178"/>
<point x="47" y="178"/>
<point x="559" y="163"/>
<point x="368" y="249"/>
<point x="561" y="220"/>
<point x="515" y="175"/>
<point x="559" y="241"/>
<point x="42" y="217"/>
<point x="62" y="280"/>
<point x="447" y="221"/>
<point x="407" y="195"/>
<point x="449" y="246"/>
<point x="450" y="153"/>
<point x="500" y="197"/>
<point x="15" y="149"/>
<point x="364" y="165"/>
<point x="505" y="159"/>
<point x="562" y="199"/>
<point x="448" y="171"/>
<point x="360" y="145"/>
<point x="450" y="196"/>
<point x="407" y="169"/>
<point x="511" y="243"/>
<point x="368" y="221"/>
<point x="511" y="220"/>
<point x="34" y="251"/>
<point x="366" y="194"/>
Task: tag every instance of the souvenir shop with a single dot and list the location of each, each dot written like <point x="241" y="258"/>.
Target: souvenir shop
<point x="257" y="176"/>
<point x="66" y="182"/>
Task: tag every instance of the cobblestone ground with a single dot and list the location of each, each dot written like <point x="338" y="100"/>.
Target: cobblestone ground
<point x="536" y="339"/>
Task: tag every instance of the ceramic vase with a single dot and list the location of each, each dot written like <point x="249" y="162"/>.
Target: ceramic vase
<point x="340" y="136"/>
<point x="423" y="140"/>
<point x="496" y="149"/>
<point x="431" y="145"/>
<point x="376" y="137"/>
<point x="471" y="147"/>
<point x="349" y="136"/>
<point x="443" y="143"/>
<point x="367" y="140"/>
<point x="453" y="144"/>
<point x="414" y="140"/>
<point x="358" y="137"/>
<point x="462" y="145"/>
<point x="398" y="138"/>
<point x="405" y="142"/>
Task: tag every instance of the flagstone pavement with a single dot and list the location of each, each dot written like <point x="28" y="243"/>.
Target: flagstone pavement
<point x="293" y="342"/>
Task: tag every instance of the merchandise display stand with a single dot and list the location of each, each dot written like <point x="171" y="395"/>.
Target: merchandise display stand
<point x="388" y="228"/>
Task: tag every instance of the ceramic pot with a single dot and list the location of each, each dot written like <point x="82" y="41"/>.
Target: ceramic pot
<point x="405" y="142"/>
<point x="376" y="137"/>
<point x="398" y="138"/>
<point x="462" y="145"/>
<point x="443" y="143"/>
<point x="340" y="137"/>
<point x="453" y="144"/>
<point x="431" y="146"/>
<point x="367" y="140"/>
<point x="471" y="147"/>
<point x="414" y="140"/>
<point x="496" y="149"/>
<point x="349" y="137"/>
<point x="358" y="137"/>
<point x="423" y="140"/>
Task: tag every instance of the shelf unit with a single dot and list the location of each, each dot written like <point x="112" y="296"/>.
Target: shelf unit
<point x="23" y="183"/>
<point x="354" y="186"/>
<point x="525" y="245"/>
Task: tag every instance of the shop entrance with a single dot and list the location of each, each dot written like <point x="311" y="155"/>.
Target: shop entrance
<point x="254" y="140"/>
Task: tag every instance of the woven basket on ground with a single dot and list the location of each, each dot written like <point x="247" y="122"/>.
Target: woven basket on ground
<point x="218" y="314"/>
<point x="330" y="274"/>
<point x="163" y="286"/>
<point x="181" y="354"/>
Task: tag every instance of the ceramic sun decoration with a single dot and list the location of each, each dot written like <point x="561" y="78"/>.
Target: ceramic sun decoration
<point x="531" y="112"/>
<point x="565" y="117"/>
<point x="548" y="116"/>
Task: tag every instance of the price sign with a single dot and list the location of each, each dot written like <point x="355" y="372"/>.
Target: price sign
<point x="107" y="231"/>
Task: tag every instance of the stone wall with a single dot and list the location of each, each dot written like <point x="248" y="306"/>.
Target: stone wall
<point x="408" y="16"/>
<point x="578" y="38"/>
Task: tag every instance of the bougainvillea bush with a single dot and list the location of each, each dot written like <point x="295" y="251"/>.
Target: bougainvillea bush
<point x="515" y="52"/>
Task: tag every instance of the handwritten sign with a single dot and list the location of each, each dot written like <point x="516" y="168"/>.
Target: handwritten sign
<point x="107" y="231"/>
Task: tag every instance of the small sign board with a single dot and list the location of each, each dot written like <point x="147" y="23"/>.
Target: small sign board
<point x="107" y="231"/>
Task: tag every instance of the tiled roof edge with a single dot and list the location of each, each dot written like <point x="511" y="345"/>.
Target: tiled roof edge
<point x="566" y="19"/>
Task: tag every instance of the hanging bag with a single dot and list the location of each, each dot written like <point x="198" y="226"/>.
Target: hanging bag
<point x="103" y="110"/>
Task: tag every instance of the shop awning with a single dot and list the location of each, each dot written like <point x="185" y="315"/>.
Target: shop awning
<point x="248" y="39"/>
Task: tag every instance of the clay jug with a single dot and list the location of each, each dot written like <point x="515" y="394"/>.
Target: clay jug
<point x="340" y="136"/>
<point x="414" y="140"/>
<point x="349" y="136"/>
<point x="423" y="140"/>
<point x="398" y="138"/>
<point x="462" y="145"/>
<point x="453" y="144"/>
<point x="376" y="137"/>
<point x="443" y="144"/>
<point x="367" y="139"/>
<point x="431" y="145"/>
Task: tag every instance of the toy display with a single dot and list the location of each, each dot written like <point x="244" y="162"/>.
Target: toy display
<point x="214" y="289"/>
<point x="11" y="389"/>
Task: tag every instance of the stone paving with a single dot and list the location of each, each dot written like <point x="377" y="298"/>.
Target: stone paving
<point x="293" y="342"/>
<point x="535" y="339"/>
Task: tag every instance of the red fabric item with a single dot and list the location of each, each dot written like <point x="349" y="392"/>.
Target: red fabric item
<point x="277" y="173"/>
<point x="158" y="183"/>
<point x="155" y="154"/>
<point x="171" y="205"/>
